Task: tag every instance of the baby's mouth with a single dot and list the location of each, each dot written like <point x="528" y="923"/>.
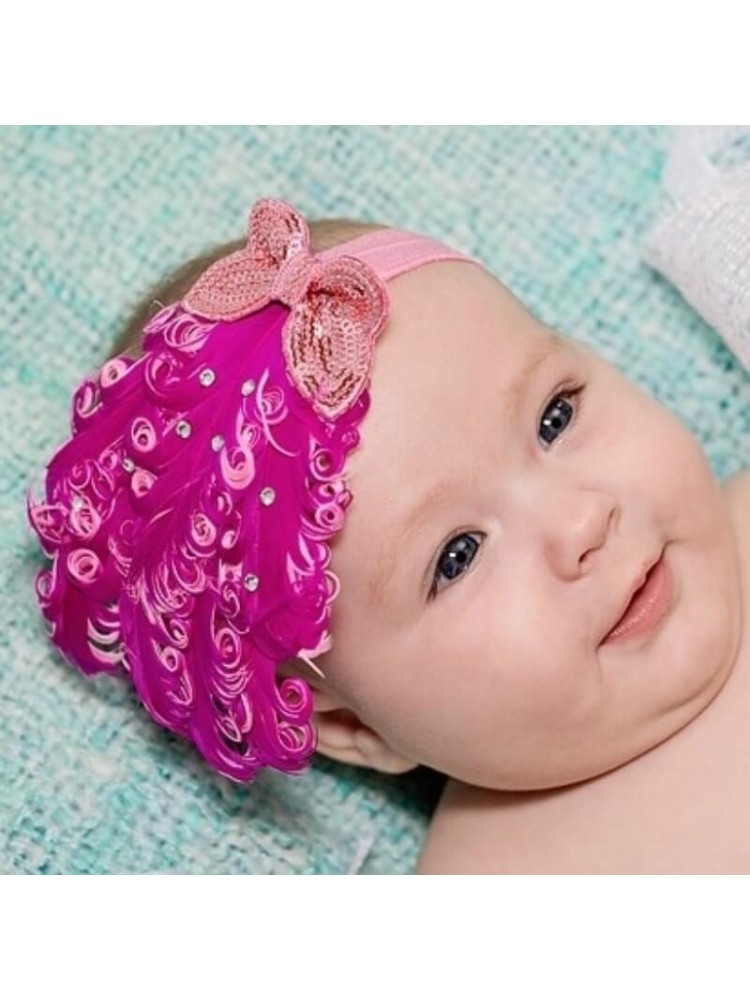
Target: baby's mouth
<point x="649" y="602"/>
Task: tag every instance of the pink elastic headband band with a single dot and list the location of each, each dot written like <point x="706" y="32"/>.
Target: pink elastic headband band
<point x="189" y="515"/>
<point x="391" y="252"/>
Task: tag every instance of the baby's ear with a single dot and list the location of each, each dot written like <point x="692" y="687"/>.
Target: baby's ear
<point x="341" y="733"/>
<point x="344" y="737"/>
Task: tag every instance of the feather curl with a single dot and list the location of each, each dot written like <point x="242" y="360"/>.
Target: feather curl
<point x="166" y="560"/>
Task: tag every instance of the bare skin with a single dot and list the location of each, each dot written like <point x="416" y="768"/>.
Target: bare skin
<point x="683" y="807"/>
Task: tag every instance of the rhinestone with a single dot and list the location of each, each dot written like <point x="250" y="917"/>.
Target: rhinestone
<point x="267" y="496"/>
<point x="247" y="387"/>
<point x="217" y="442"/>
<point x="207" y="377"/>
<point x="77" y="503"/>
<point x="128" y="464"/>
<point x="251" y="582"/>
<point x="184" y="429"/>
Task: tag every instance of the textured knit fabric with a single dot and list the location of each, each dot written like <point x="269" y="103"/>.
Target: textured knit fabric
<point x="90" y="218"/>
<point x="701" y="237"/>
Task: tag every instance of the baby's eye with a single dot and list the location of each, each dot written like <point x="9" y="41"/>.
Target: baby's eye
<point x="559" y="413"/>
<point x="457" y="556"/>
<point x="459" y="553"/>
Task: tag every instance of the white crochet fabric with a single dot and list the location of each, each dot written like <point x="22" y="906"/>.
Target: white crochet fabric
<point x="701" y="239"/>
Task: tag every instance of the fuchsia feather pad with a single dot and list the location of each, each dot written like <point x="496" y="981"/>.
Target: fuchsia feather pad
<point x="189" y="515"/>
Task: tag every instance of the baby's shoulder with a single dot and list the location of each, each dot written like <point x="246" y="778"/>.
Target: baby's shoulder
<point x="477" y="831"/>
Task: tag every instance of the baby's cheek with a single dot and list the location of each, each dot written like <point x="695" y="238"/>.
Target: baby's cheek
<point x="535" y="672"/>
<point x="664" y="462"/>
<point x="690" y="493"/>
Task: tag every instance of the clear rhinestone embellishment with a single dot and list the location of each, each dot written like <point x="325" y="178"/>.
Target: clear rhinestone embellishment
<point x="247" y="387"/>
<point x="77" y="503"/>
<point x="207" y="377"/>
<point x="217" y="442"/>
<point x="267" y="496"/>
<point x="251" y="582"/>
<point x="184" y="429"/>
<point x="128" y="464"/>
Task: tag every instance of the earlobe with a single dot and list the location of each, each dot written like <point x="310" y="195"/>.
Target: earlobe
<point x="377" y="754"/>
<point x="344" y="737"/>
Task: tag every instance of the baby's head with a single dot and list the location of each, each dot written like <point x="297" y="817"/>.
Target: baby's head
<point x="509" y="490"/>
<point x="512" y="488"/>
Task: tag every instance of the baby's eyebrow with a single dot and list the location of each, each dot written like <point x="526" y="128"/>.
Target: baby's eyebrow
<point x="394" y="544"/>
<point x="549" y="344"/>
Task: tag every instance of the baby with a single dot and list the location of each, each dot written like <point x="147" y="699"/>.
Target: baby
<point x="538" y="588"/>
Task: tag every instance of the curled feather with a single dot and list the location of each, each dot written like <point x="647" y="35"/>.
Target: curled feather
<point x="167" y="563"/>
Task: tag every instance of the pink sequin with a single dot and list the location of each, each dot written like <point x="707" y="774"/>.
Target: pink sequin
<point x="338" y="307"/>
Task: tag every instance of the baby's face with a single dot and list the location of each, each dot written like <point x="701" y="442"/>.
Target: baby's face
<point x="469" y="633"/>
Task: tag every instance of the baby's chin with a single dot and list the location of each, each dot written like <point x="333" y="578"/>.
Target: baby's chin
<point x="636" y="742"/>
<point x="640" y="745"/>
<point x="670" y="723"/>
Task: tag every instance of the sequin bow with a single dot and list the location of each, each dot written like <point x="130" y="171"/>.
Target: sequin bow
<point x="338" y="305"/>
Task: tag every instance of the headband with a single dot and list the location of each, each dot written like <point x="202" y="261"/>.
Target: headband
<point x="188" y="516"/>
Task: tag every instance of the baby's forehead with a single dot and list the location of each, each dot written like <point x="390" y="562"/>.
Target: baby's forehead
<point x="451" y="318"/>
<point x="456" y="288"/>
<point x="456" y="355"/>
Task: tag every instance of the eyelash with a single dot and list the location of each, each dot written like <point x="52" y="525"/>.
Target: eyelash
<point x="569" y="391"/>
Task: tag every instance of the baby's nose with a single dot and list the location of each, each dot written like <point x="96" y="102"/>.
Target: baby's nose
<point x="575" y="524"/>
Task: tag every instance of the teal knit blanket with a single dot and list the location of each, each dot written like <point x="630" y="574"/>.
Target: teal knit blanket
<point x="90" y="218"/>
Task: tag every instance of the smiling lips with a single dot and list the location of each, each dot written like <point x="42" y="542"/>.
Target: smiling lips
<point x="647" y="606"/>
